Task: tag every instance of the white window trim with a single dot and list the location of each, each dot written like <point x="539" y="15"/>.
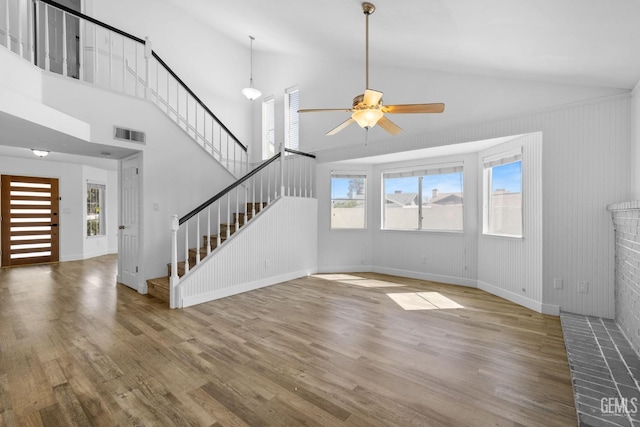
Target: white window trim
<point x="103" y="214"/>
<point x="347" y="174"/>
<point x="287" y="136"/>
<point x="488" y="162"/>
<point x="442" y="168"/>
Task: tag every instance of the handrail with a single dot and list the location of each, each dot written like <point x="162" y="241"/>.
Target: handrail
<point x="92" y="20"/>
<point x="300" y="153"/>
<point x="155" y="55"/>
<point x="218" y="196"/>
<point x="175" y="76"/>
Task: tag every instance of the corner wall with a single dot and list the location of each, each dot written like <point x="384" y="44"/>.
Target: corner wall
<point x="512" y="267"/>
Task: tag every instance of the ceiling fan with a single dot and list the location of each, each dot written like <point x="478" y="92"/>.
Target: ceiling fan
<point x="368" y="109"/>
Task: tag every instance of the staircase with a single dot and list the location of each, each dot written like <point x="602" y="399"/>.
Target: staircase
<point x="159" y="286"/>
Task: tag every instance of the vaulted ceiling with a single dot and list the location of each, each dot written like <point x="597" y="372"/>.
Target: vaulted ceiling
<point x="586" y="42"/>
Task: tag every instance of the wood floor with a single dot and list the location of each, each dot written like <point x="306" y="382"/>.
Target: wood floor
<point x="77" y="349"/>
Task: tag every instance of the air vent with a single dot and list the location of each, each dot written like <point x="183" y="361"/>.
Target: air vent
<point x="125" y="134"/>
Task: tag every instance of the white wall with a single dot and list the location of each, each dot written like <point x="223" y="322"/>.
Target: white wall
<point x="108" y="243"/>
<point x="585" y="167"/>
<point x="635" y="145"/>
<point x="72" y="207"/>
<point x="213" y="66"/>
<point x="512" y="267"/>
<point x="344" y="250"/>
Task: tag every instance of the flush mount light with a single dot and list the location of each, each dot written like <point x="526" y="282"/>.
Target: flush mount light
<point x="251" y="92"/>
<point x="40" y="153"/>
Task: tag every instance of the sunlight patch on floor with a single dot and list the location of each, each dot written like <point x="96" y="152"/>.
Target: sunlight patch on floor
<point x="423" y="301"/>
<point x="349" y="279"/>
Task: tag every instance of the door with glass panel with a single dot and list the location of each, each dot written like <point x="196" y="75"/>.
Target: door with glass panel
<point x="30" y="226"/>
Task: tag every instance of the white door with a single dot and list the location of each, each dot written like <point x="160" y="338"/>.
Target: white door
<point x="128" y="251"/>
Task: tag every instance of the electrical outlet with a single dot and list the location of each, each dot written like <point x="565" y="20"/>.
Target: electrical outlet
<point x="557" y="283"/>
<point x="583" y="287"/>
<point x="266" y="263"/>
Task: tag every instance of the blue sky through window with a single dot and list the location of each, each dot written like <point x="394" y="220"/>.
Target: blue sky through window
<point x="507" y="177"/>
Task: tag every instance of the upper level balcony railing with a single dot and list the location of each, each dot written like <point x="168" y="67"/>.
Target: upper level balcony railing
<point x="67" y="42"/>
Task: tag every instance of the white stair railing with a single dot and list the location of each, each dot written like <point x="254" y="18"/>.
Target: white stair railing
<point x="288" y="173"/>
<point x="63" y="41"/>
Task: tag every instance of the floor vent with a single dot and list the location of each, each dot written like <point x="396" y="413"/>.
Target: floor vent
<point x="125" y="134"/>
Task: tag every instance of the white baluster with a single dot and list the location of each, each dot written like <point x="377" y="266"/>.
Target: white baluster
<point x="124" y="65"/>
<point x="19" y="38"/>
<point x="175" y="279"/>
<point x="268" y="172"/>
<point x="95" y="54"/>
<point x="110" y="60"/>
<point x="219" y="203"/>
<point x="227" y="151"/>
<point x="237" y="223"/>
<point x="198" y="238"/>
<point x="7" y="26"/>
<point x="208" y="239"/>
<point x="282" y="169"/>
<point x="228" y="221"/>
<point x="261" y="195"/>
<point x="311" y="178"/>
<point x="186" y="248"/>
<point x="82" y="26"/>
<point x="30" y="31"/>
<point x="253" y="198"/>
<point x="65" y="64"/>
<point x="246" y="203"/>
<point x="47" y="58"/>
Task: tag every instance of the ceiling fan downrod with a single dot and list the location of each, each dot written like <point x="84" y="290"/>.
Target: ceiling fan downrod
<point x="367" y="9"/>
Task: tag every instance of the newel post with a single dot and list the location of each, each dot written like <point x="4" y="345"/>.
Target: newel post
<point x="282" y="168"/>
<point x="148" y="54"/>
<point x="175" y="279"/>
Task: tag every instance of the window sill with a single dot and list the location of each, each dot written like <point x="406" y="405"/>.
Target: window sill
<point x="502" y="236"/>
<point x="415" y="230"/>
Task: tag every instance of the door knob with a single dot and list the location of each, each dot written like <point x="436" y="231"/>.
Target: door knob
<point x="121" y="227"/>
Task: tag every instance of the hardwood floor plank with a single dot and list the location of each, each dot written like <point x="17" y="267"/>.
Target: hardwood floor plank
<point x="319" y="350"/>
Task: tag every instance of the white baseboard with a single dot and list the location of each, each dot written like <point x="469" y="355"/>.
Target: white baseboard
<point x="534" y="305"/>
<point x="346" y="269"/>
<point x="245" y="287"/>
<point x="450" y="280"/>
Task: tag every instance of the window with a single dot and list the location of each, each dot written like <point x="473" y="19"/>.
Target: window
<point x="95" y="210"/>
<point x="348" y="200"/>
<point x="502" y="185"/>
<point x="292" y="118"/>
<point x="268" y="128"/>
<point x="428" y="198"/>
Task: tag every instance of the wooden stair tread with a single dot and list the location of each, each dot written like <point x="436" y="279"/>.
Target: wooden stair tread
<point x="159" y="288"/>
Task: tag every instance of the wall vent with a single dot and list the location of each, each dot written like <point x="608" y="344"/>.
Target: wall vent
<point x="125" y="134"/>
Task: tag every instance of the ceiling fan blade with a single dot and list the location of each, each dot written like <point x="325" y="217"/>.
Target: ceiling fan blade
<point x="389" y="126"/>
<point x="340" y="127"/>
<point x="371" y="97"/>
<point x="413" y="108"/>
<point x="317" y="110"/>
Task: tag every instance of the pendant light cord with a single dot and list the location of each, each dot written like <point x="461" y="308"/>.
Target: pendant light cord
<point x="251" y="60"/>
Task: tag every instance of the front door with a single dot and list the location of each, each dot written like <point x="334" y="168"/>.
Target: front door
<point x="128" y="253"/>
<point x="30" y="226"/>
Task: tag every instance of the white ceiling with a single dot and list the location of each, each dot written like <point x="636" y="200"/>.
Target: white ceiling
<point x="587" y="42"/>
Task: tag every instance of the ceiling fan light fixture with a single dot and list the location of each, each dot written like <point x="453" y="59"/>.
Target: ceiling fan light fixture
<point x="251" y="92"/>
<point x="40" y="153"/>
<point x="367" y="118"/>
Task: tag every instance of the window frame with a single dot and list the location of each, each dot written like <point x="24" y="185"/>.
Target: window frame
<point x="347" y="175"/>
<point x="268" y="109"/>
<point x="100" y="203"/>
<point x="488" y="163"/>
<point x="430" y="169"/>
<point x="289" y="93"/>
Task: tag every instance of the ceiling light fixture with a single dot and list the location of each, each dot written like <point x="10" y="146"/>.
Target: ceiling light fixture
<point x="251" y="92"/>
<point x="40" y="153"/>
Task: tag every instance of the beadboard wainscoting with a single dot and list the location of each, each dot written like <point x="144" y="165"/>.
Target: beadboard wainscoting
<point x="281" y="246"/>
<point x="626" y="223"/>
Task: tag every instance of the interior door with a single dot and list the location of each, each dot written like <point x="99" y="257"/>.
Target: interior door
<point x="128" y="253"/>
<point x="30" y="226"/>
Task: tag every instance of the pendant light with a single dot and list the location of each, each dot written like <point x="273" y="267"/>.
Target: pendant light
<point x="251" y="92"/>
